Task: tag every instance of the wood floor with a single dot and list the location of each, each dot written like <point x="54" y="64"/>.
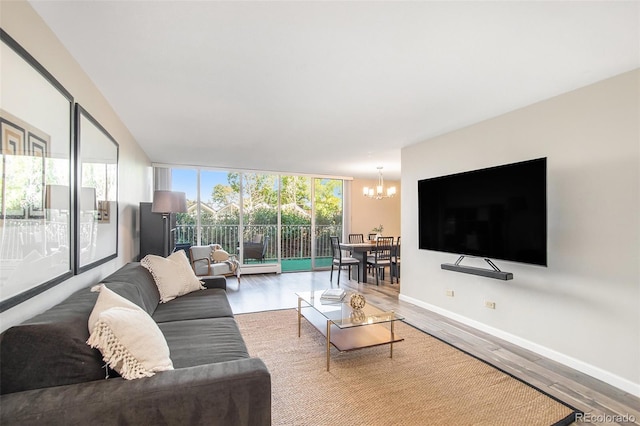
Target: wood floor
<point x="587" y="394"/>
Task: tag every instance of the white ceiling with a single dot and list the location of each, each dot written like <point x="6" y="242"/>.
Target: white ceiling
<point x="333" y="88"/>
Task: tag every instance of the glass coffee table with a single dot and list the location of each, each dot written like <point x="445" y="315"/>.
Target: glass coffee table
<point x="345" y="328"/>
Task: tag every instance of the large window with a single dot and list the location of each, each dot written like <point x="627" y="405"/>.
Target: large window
<point x="218" y="210"/>
<point x="186" y="180"/>
<point x="263" y="218"/>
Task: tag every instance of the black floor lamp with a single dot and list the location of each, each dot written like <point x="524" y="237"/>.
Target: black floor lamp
<point x="167" y="202"/>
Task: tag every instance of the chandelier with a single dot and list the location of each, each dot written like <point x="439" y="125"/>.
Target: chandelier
<point x="378" y="192"/>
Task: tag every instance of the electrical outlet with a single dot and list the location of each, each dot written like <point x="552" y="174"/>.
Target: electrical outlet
<point x="449" y="293"/>
<point x="489" y="304"/>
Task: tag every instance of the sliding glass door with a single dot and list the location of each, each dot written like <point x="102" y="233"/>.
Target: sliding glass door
<point x="259" y="217"/>
<point x="219" y="211"/>
<point x="328" y="208"/>
<point x="295" y="231"/>
<point x="310" y="215"/>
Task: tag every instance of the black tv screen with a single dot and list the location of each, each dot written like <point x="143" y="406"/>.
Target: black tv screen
<point x="494" y="213"/>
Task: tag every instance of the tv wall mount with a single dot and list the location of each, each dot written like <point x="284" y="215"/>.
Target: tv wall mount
<point x="494" y="272"/>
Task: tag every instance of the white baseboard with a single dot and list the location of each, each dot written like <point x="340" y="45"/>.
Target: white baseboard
<point x="576" y="364"/>
<point x="260" y="268"/>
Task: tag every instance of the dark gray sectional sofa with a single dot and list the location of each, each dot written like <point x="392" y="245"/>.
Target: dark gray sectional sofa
<point x="49" y="375"/>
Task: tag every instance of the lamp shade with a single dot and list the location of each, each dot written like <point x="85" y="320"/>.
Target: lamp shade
<point x="88" y="199"/>
<point x="169" y="202"/>
<point x="56" y="197"/>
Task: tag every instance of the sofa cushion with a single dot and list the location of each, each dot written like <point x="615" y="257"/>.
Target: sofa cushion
<point x="209" y="303"/>
<point x="203" y="341"/>
<point x="36" y="356"/>
<point x="173" y="275"/>
<point x="130" y="342"/>
<point x="134" y="273"/>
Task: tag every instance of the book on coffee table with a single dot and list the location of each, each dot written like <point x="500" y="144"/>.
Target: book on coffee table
<point x="333" y="294"/>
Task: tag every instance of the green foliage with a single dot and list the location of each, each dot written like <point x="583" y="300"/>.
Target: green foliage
<point x="293" y="217"/>
<point x="262" y="216"/>
<point x="295" y="190"/>
<point x="185" y="219"/>
<point x="260" y="198"/>
<point x="328" y="194"/>
<point x="223" y="195"/>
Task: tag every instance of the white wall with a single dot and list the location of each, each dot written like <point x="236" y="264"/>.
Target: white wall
<point x="584" y="308"/>
<point x="22" y="23"/>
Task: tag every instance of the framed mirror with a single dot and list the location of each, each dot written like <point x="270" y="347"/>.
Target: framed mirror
<point x="36" y="113"/>
<point x="96" y="193"/>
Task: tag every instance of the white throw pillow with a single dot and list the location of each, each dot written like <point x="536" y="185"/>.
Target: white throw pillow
<point x="107" y="299"/>
<point x="173" y="275"/>
<point x="219" y="256"/>
<point x="130" y="342"/>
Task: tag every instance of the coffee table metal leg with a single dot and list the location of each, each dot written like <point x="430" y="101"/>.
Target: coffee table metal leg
<point x="392" y="338"/>
<point x="328" y="343"/>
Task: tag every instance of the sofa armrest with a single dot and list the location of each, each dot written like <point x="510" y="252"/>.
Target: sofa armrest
<point x="217" y="281"/>
<point x="226" y="393"/>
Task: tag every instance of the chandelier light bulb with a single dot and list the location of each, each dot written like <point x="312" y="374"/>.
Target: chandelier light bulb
<point x="379" y="193"/>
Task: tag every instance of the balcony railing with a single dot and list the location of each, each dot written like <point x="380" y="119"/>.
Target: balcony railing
<point x="296" y="239"/>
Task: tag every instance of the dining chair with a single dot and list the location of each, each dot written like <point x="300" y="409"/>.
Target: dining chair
<point x="356" y="238"/>
<point x="395" y="261"/>
<point x="339" y="260"/>
<point x="381" y="257"/>
<point x="371" y="237"/>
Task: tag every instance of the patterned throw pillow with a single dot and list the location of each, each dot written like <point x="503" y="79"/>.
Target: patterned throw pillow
<point x="130" y="342"/>
<point x="173" y="275"/>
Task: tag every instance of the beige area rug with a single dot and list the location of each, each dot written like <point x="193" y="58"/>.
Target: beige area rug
<point x="427" y="382"/>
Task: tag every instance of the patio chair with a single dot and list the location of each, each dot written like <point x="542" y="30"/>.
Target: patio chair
<point x="211" y="260"/>
<point x="339" y="260"/>
<point x="256" y="249"/>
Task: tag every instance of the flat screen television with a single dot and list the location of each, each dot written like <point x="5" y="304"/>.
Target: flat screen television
<point x="494" y="213"/>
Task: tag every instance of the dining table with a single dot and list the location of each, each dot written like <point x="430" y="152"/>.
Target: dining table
<point x="359" y="251"/>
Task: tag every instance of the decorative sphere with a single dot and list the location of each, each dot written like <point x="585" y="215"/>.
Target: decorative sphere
<point x="358" y="316"/>
<point x="357" y="301"/>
